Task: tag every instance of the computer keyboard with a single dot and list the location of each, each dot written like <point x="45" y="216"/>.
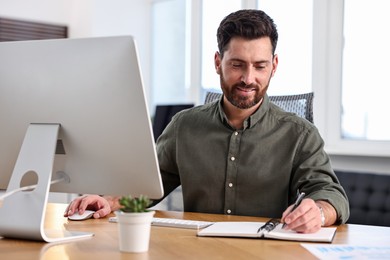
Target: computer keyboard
<point x="178" y="223"/>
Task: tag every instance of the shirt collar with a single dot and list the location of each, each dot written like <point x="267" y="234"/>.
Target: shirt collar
<point x="250" y="121"/>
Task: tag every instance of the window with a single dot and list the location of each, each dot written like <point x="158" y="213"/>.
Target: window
<point x="345" y="118"/>
<point x="212" y="14"/>
<point x="295" y="25"/>
<point x="350" y="99"/>
<point x="168" y="52"/>
<point x="365" y="79"/>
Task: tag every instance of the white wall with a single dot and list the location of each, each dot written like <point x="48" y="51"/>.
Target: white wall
<point x="56" y="11"/>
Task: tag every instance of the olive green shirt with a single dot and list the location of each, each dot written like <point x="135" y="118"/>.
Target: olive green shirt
<point x="255" y="171"/>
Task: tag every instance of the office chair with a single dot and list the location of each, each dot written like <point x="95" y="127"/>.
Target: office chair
<point x="368" y="195"/>
<point x="300" y="104"/>
<point x="163" y="116"/>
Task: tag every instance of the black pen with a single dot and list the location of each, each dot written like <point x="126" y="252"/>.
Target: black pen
<point x="296" y="204"/>
<point x="270" y="225"/>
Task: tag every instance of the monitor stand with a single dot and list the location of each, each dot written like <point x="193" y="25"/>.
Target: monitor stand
<point x="22" y="214"/>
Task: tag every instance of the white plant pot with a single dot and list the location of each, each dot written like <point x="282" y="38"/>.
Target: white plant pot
<point x="134" y="231"/>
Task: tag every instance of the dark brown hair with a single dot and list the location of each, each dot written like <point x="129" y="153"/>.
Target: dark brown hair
<point x="248" y="24"/>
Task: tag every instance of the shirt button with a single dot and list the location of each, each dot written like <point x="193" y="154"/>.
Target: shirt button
<point x="230" y="185"/>
<point x="229" y="211"/>
<point x="232" y="158"/>
<point x="235" y="133"/>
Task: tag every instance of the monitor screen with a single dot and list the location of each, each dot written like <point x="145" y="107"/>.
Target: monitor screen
<point x="92" y="88"/>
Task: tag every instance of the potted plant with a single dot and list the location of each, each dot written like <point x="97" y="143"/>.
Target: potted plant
<point x="134" y="223"/>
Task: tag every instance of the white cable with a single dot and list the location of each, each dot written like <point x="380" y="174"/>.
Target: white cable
<point x="30" y="187"/>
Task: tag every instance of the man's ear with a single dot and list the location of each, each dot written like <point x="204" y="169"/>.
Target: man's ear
<point x="275" y="63"/>
<point x="217" y="62"/>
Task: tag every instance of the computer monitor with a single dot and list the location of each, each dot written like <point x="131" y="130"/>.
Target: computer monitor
<point x="87" y="96"/>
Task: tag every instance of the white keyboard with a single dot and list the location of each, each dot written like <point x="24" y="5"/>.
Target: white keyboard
<point x="180" y="223"/>
<point x="173" y="222"/>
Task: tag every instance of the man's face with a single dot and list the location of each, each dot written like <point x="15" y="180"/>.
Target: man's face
<point x="246" y="70"/>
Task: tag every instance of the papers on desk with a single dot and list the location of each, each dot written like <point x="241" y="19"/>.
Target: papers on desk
<point x="331" y="252"/>
<point x="253" y="230"/>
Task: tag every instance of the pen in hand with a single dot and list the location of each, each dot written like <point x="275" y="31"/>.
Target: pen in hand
<point x="296" y="204"/>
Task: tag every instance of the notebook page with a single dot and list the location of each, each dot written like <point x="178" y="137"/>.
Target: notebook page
<point x="323" y="235"/>
<point x="233" y="229"/>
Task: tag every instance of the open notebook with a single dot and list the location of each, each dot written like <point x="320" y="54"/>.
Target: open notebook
<point x="271" y="229"/>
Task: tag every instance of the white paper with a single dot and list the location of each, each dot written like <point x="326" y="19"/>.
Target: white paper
<point x="326" y="251"/>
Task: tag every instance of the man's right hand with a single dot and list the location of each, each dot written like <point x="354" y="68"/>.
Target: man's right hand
<point x="102" y="205"/>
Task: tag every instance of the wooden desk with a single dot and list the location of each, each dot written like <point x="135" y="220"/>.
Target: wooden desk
<point x="174" y="243"/>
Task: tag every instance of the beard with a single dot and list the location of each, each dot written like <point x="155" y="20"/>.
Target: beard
<point x="233" y="95"/>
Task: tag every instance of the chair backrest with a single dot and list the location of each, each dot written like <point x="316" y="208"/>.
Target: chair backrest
<point x="163" y="116"/>
<point x="368" y="195"/>
<point x="300" y="104"/>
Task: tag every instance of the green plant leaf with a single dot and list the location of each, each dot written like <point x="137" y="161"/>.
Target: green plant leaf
<point x="132" y="204"/>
